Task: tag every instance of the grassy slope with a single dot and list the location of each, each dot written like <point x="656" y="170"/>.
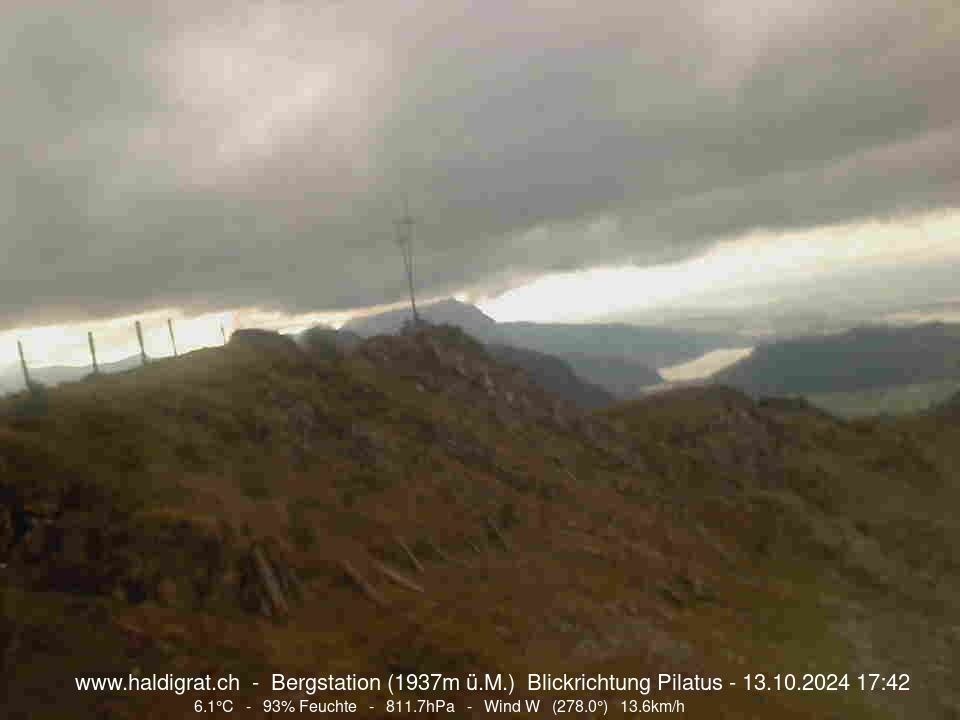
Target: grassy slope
<point x="738" y="539"/>
<point x="850" y="517"/>
<point x="895" y="400"/>
<point x="865" y="358"/>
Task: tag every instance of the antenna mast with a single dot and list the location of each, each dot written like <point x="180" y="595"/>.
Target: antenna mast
<point x="405" y="241"/>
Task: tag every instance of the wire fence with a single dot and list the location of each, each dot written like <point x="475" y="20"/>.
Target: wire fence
<point x="116" y="348"/>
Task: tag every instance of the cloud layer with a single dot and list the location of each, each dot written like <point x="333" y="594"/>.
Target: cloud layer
<point x="237" y="154"/>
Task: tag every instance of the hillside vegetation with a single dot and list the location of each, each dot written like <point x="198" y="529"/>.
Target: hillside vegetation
<point x="861" y="359"/>
<point x="896" y="400"/>
<point x="696" y="531"/>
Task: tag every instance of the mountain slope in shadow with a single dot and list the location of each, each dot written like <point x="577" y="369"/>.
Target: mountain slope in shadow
<point x="614" y="357"/>
<point x="415" y="505"/>
<point x="860" y="359"/>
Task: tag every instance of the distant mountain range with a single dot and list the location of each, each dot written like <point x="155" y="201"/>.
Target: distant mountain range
<point x="468" y="318"/>
<point x="860" y="359"/>
<point x="599" y="363"/>
<point x="619" y="358"/>
<point x="654" y="347"/>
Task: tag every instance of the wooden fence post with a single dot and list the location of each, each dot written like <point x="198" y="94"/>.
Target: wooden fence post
<point x="173" y="339"/>
<point x="23" y="365"/>
<point x="143" y="353"/>
<point x="93" y="353"/>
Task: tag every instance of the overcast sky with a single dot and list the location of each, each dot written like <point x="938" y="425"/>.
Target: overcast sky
<point x="200" y="157"/>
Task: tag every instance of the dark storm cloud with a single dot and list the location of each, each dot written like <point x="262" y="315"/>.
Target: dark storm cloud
<point x="256" y="153"/>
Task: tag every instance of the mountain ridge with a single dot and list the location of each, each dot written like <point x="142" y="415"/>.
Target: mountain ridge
<point x="617" y="357"/>
<point x="864" y="358"/>
<point x="698" y="531"/>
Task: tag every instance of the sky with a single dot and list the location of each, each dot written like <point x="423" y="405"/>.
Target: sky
<point x="564" y="160"/>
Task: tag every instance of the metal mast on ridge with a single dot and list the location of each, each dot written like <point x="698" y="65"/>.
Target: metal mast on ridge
<point x="405" y="240"/>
